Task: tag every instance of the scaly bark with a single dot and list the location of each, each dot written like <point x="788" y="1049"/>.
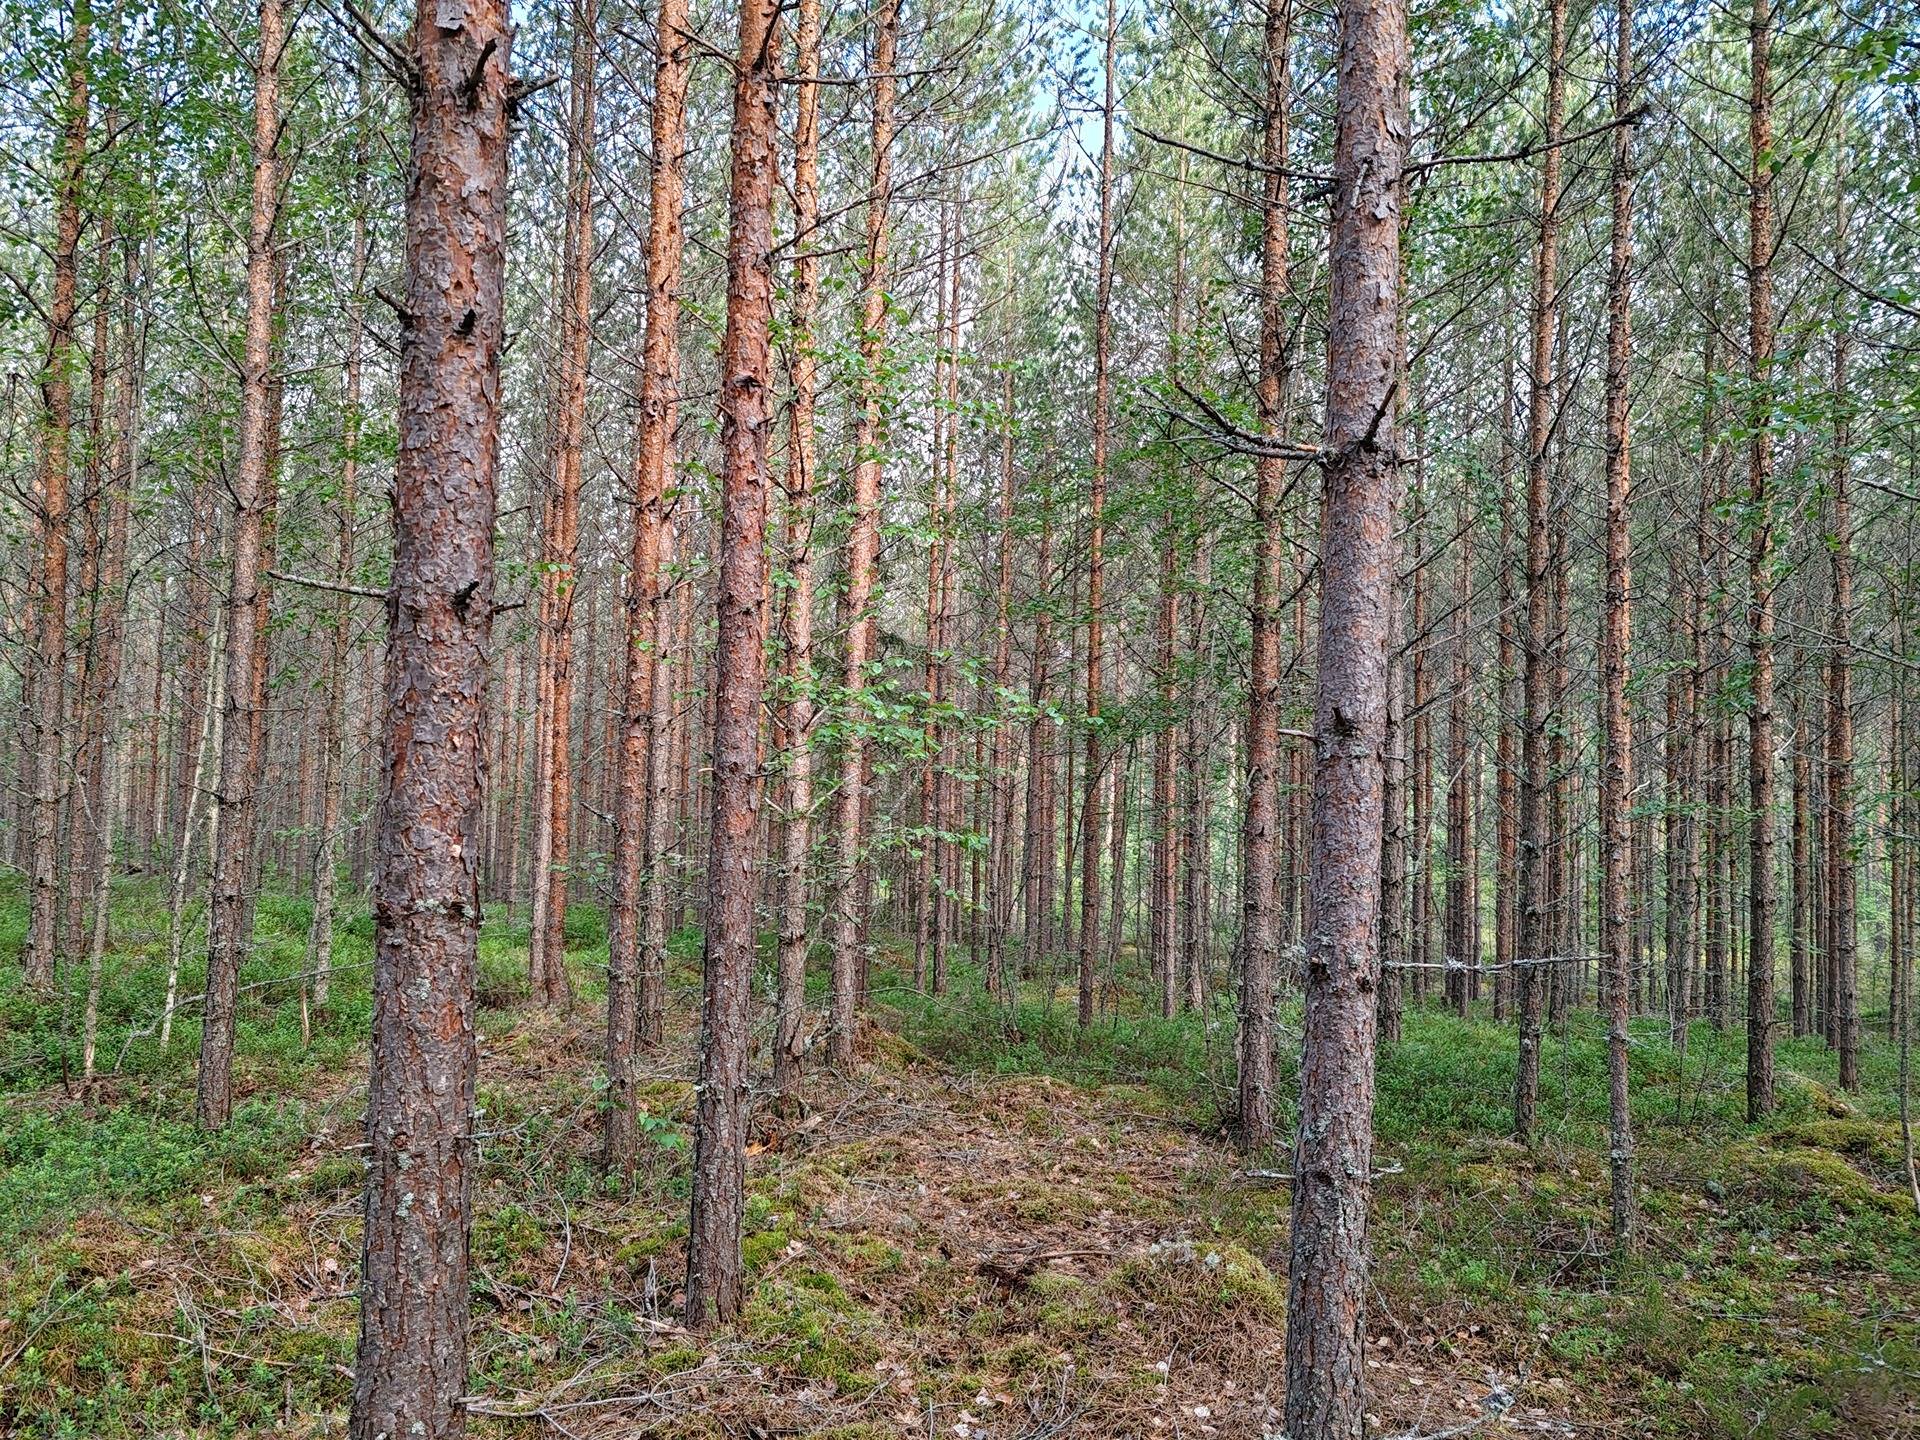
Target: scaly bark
<point x="1333" y="1154"/>
<point x="715" y="1271"/>
<point x="411" y="1369"/>
<point x="636" y="953"/>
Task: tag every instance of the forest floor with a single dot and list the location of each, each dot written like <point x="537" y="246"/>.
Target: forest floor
<point x="997" y="1227"/>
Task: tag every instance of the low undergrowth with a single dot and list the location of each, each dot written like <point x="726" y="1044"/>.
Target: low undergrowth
<point x="1003" y="1225"/>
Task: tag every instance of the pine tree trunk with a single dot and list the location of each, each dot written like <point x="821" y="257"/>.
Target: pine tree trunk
<point x="1333" y="1159"/>
<point x="1615" y="644"/>
<point x="636" y="969"/>
<point x="790" y="1044"/>
<point x="326" y="863"/>
<point x="48" y="677"/>
<point x="1536" y="935"/>
<point x="1259" y="945"/>
<point x="1760" y="880"/>
<point x="863" y="545"/>
<point x="235" y="829"/>
<point x="411" y="1369"/>
<point x="1094" y="776"/>
<point x="715" y="1271"/>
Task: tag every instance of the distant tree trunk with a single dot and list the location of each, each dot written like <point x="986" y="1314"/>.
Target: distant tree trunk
<point x="411" y="1368"/>
<point x="48" y="676"/>
<point x="560" y="576"/>
<point x="110" y="626"/>
<point x="789" y="1048"/>
<point x="1760" y="568"/>
<point x="1000" y="885"/>
<point x="1682" y="843"/>
<point x="1461" y="947"/>
<point x="333" y="731"/>
<point x="636" y="964"/>
<point x="1259" y="944"/>
<point x="1092" y="805"/>
<point x="1615" y="645"/>
<point x="1390" y="1000"/>
<point x="252" y="487"/>
<point x="714" y="1268"/>
<point x="1841" y="885"/>
<point x="1333" y="1151"/>
<point x="1420" y="738"/>
<point x="1196" y="928"/>
<point x="863" y="545"/>
<point x="1536" y="859"/>
<point x="1506" y="779"/>
<point x="1040" y="832"/>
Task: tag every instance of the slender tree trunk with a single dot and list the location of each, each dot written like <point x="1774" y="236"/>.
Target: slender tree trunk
<point x="1506" y="783"/>
<point x="252" y="487"/>
<point x="1000" y="884"/>
<point x="1333" y="1158"/>
<point x="1259" y="946"/>
<point x="789" y="1049"/>
<point x="560" y="576"/>
<point x="1094" y="776"/>
<point x="863" y="546"/>
<point x="48" y="676"/>
<point x="636" y="969"/>
<point x="1615" y="646"/>
<point x="110" y="622"/>
<point x="1841" y="886"/>
<point x="1462" y="956"/>
<point x="715" y="1279"/>
<point x="333" y="731"/>
<point x="1760" y="878"/>
<point x="1536" y="859"/>
<point x="411" y="1368"/>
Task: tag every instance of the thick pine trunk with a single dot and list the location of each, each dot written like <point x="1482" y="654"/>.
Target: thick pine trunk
<point x="411" y="1369"/>
<point x="1333" y="1159"/>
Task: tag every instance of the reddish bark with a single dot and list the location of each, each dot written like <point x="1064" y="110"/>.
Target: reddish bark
<point x="636" y="967"/>
<point x="790" y="1044"/>
<point x="714" y="1265"/>
<point x="1259" y="941"/>
<point x="47" y="702"/>
<point x="863" y="547"/>
<point x="411" y="1369"/>
<point x="1333" y="1159"/>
